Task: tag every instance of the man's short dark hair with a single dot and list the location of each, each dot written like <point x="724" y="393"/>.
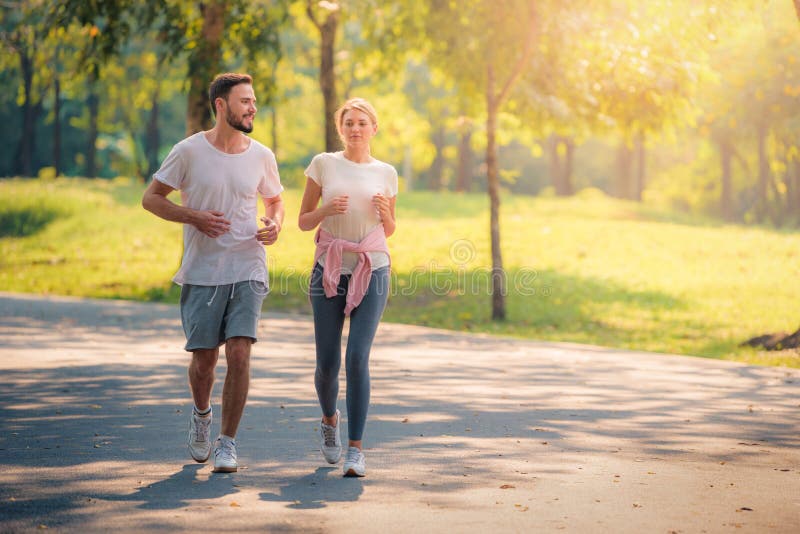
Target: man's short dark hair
<point x="222" y="84"/>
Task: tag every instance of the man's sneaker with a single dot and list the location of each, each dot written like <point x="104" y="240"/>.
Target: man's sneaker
<point x="200" y="436"/>
<point x="330" y="441"/>
<point x="354" y="464"/>
<point x="225" y="456"/>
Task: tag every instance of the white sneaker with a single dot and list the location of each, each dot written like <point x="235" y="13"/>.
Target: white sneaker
<point x="225" y="456"/>
<point x="354" y="464"/>
<point x="200" y="437"/>
<point x="330" y="441"/>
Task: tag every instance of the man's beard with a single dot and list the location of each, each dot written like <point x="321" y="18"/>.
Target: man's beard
<point x="239" y="125"/>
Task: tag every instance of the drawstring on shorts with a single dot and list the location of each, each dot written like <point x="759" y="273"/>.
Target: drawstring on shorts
<point x="214" y="295"/>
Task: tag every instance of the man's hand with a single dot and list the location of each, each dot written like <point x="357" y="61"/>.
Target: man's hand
<point x="211" y="222"/>
<point x="268" y="234"/>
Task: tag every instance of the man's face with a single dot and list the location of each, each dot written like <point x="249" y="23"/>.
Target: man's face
<point x="240" y="107"/>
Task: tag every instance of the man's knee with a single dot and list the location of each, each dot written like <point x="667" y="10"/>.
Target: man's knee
<point x="237" y="351"/>
<point x="205" y="360"/>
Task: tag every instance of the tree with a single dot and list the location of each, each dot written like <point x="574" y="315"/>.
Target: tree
<point x="205" y="61"/>
<point x="484" y="47"/>
<point x="21" y="34"/>
<point x="327" y="27"/>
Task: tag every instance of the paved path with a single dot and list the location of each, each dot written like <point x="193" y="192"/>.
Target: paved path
<point x="466" y="434"/>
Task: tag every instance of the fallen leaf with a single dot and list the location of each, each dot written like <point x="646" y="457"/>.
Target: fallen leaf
<point x="744" y="509"/>
<point x="42" y="527"/>
<point x="235" y="504"/>
<point x="405" y="420"/>
<point x="96" y="407"/>
<point x="507" y="486"/>
<point x="637" y="505"/>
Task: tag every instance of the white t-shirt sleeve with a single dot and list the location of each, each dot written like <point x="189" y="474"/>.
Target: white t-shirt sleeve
<point x="315" y="168"/>
<point x="391" y="183"/>
<point x="173" y="169"/>
<point x="270" y="185"/>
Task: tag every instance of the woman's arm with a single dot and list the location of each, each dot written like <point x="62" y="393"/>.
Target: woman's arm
<point x="385" y="207"/>
<point x="311" y="215"/>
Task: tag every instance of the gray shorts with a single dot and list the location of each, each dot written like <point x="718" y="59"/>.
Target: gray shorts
<point x="213" y="314"/>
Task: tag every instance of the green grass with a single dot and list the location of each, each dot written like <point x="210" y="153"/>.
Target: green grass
<point x="586" y="269"/>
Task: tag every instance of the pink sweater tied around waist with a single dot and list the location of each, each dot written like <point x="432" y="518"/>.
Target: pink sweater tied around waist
<point x="375" y="241"/>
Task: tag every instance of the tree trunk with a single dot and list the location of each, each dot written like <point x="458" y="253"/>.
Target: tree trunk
<point x="622" y="182"/>
<point x="465" y="157"/>
<point x="23" y="164"/>
<point x="205" y="62"/>
<point x="274" y="129"/>
<point x="435" y="180"/>
<point x="327" y="72"/>
<point x="57" y="124"/>
<point x="152" y="139"/>
<point x="498" y="274"/>
<point x="763" y="175"/>
<point x="554" y="162"/>
<point x="408" y="168"/>
<point x="560" y="165"/>
<point x="726" y="196"/>
<point x="641" y="179"/>
<point x="796" y="211"/>
<point x="93" y="103"/>
<point x="566" y="169"/>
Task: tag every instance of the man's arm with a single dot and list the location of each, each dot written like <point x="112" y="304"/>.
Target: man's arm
<point x="210" y="222"/>
<point x="273" y="220"/>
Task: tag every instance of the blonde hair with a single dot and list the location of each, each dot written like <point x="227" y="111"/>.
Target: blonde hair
<point x="355" y="103"/>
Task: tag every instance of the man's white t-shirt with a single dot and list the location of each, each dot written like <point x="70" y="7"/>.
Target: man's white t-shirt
<point x="210" y="179"/>
<point x="337" y="176"/>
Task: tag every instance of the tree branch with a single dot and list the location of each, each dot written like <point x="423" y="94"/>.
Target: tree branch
<point x="312" y="16"/>
<point x="519" y="68"/>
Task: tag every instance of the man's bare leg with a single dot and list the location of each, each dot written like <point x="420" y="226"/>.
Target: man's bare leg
<point x="237" y="383"/>
<point x="201" y="376"/>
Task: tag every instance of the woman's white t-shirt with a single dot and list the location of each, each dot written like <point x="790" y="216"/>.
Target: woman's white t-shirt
<point x="210" y="179"/>
<point x="337" y="176"/>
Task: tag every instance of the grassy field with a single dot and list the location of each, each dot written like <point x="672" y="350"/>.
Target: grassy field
<point x="586" y="269"/>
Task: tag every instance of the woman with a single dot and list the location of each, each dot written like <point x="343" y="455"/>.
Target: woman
<point x="351" y="270"/>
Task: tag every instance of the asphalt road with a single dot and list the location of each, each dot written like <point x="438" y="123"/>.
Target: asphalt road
<point x="466" y="433"/>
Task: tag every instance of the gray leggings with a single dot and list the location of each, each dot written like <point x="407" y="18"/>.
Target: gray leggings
<point x="328" y="325"/>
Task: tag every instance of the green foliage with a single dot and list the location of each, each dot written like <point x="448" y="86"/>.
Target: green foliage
<point x="22" y="217"/>
<point x="689" y="73"/>
<point x="585" y="269"/>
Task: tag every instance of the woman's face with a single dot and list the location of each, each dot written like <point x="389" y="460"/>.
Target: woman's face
<point x="357" y="129"/>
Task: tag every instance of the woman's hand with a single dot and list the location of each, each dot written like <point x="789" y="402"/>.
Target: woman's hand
<point x="336" y="205"/>
<point x="381" y="204"/>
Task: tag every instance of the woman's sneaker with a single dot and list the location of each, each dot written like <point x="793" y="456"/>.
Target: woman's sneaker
<point x="354" y="464"/>
<point x="225" y="456"/>
<point x="330" y="442"/>
<point x="200" y="436"/>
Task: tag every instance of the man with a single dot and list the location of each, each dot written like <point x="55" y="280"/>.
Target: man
<point x="223" y="273"/>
